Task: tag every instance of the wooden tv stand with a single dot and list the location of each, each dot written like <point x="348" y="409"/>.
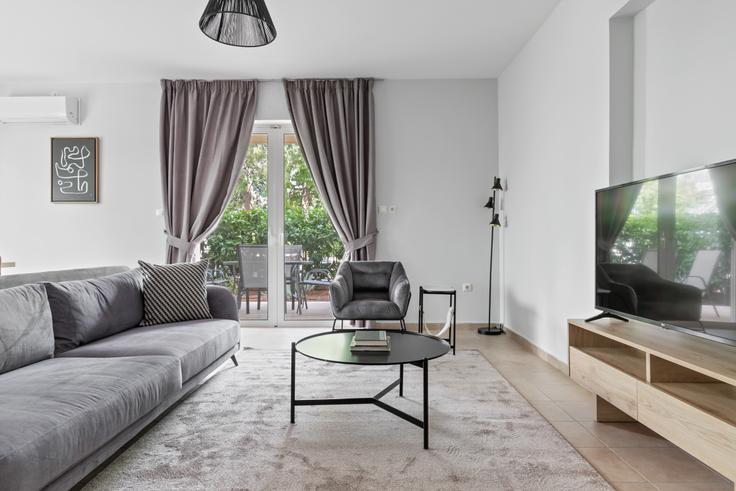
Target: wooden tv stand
<point x="680" y="386"/>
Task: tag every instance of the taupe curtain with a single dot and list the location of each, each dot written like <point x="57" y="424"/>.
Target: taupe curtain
<point x="205" y="130"/>
<point x="613" y="208"/>
<point x="333" y="121"/>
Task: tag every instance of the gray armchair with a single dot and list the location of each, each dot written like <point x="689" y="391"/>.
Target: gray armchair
<point x="370" y="290"/>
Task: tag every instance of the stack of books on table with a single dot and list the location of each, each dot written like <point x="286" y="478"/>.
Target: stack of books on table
<point x="370" y="341"/>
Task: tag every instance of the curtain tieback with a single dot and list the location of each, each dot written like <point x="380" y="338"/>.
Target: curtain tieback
<point x="180" y="244"/>
<point x="360" y="242"/>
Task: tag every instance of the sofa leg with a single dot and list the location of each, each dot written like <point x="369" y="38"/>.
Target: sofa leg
<point x="342" y="324"/>
<point x="403" y="325"/>
<point x="235" y="360"/>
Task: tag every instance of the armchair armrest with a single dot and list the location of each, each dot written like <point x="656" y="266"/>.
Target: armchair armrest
<point x="399" y="289"/>
<point x="222" y="303"/>
<point x="340" y="292"/>
<point x="400" y="294"/>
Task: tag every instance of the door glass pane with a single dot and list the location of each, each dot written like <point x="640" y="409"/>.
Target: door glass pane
<point x="238" y="249"/>
<point x="312" y="249"/>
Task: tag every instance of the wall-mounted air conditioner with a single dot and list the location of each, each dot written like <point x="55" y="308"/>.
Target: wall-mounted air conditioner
<point x="39" y="110"/>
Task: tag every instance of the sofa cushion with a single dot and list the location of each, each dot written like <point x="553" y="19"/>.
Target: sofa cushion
<point x="174" y="292"/>
<point x="196" y="344"/>
<point x="56" y="412"/>
<point x="87" y="310"/>
<point x="26" y="335"/>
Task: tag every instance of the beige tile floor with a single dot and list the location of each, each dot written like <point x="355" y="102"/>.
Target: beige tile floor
<point x="628" y="455"/>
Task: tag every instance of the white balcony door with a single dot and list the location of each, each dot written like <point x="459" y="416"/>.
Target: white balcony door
<point x="280" y="311"/>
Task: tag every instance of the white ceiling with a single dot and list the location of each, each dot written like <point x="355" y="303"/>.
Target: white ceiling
<point x="145" y="40"/>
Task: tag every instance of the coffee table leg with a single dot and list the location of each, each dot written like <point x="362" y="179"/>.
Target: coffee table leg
<point x="401" y="380"/>
<point x="425" y="367"/>
<point x="293" y="393"/>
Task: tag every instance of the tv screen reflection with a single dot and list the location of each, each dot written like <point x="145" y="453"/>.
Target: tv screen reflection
<point x="665" y="250"/>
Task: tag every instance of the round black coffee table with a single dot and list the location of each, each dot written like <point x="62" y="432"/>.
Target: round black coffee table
<point x="406" y="348"/>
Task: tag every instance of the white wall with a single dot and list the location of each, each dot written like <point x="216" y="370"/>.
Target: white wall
<point x="272" y="102"/>
<point x="39" y="235"/>
<point x="436" y="151"/>
<point x="553" y="150"/>
<point x="554" y="142"/>
<point x="686" y="84"/>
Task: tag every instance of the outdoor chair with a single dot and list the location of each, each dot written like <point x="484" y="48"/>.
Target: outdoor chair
<point x="253" y="265"/>
<point x="701" y="272"/>
<point x="292" y="273"/>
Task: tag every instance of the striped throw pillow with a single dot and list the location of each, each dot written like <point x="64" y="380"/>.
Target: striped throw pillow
<point x="174" y="292"/>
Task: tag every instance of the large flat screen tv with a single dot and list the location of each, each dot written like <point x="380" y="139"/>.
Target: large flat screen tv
<point x="666" y="254"/>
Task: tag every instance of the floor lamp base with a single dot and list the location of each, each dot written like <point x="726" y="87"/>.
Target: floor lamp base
<point x="492" y="330"/>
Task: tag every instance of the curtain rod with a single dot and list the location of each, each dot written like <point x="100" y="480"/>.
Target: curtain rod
<point x="318" y="78"/>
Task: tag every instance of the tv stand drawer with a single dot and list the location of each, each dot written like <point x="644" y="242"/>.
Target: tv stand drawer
<point x="602" y="379"/>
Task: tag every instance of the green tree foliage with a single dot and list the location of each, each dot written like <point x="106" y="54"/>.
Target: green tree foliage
<point x="251" y="190"/>
<point x="698" y="226"/>
<point x="640" y="231"/>
<point x="245" y="220"/>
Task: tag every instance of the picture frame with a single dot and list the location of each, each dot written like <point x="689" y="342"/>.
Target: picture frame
<point x="75" y="170"/>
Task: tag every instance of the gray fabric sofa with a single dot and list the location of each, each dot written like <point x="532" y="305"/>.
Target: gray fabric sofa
<point x="69" y="402"/>
<point x="370" y="291"/>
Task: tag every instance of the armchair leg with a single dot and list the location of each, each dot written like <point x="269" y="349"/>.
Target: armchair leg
<point x="333" y="323"/>
<point x="247" y="301"/>
<point x="403" y="325"/>
<point x="235" y="360"/>
<point x="259" y="300"/>
<point x="341" y="324"/>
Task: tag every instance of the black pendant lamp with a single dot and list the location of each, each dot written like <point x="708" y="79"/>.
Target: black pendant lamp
<point x="245" y="23"/>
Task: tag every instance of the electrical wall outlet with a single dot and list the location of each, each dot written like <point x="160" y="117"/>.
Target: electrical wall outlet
<point x="467" y="287"/>
<point x="392" y="209"/>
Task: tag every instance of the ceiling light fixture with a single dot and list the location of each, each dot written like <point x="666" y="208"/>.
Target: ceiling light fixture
<point x="245" y="23"/>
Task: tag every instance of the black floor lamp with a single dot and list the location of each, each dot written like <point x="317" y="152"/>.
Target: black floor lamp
<point x="492" y="329"/>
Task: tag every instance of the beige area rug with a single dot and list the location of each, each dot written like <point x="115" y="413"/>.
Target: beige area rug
<point x="234" y="433"/>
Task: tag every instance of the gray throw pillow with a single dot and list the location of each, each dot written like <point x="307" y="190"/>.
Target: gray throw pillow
<point x="174" y="292"/>
<point x="26" y="335"/>
<point x="87" y="310"/>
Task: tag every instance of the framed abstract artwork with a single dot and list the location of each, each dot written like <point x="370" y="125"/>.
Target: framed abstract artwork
<point x="74" y="170"/>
